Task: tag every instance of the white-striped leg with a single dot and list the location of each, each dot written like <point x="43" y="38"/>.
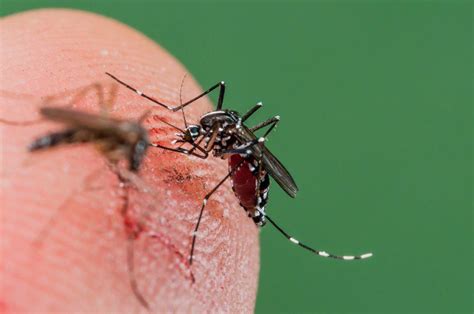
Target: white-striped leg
<point x="220" y="85"/>
<point x="252" y="111"/>
<point x="182" y="150"/>
<point x="204" y="202"/>
<point x="273" y="121"/>
<point x="319" y="252"/>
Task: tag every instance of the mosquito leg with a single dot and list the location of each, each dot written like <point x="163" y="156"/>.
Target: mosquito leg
<point x="108" y="104"/>
<point x="182" y="150"/>
<point x="79" y="94"/>
<point x="131" y="237"/>
<point x="251" y="111"/>
<point x="132" y="231"/>
<point x="209" y="145"/>
<point x="193" y="152"/>
<point x="182" y="258"/>
<point x="220" y="100"/>
<point x="138" y="92"/>
<point x="104" y="104"/>
<point x="204" y="202"/>
<point x="21" y="123"/>
<point x="318" y="252"/>
<point x="204" y="152"/>
<point x="131" y="272"/>
<point x="272" y="121"/>
<point x="221" y="86"/>
<point x="214" y="131"/>
<point x="176" y="150"/>
<point x="195" y="145"/>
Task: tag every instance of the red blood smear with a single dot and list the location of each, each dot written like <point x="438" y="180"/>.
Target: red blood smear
<point x="244" y="182"/>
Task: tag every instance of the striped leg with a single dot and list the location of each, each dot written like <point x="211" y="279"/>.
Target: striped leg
<point x="211" y="135"/>
<point x="273" y="121"/>
<point x="183" y="151"/>
<point x="204" y="202"/>
<point x="220" y="101"/>
<point x="319" y="252"/>
<point x="252" y="111"/>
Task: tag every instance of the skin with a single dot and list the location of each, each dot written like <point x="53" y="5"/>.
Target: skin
<point x="63" y="244"/>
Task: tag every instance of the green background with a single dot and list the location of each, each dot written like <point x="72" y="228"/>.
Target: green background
<point x="376" y="106"/>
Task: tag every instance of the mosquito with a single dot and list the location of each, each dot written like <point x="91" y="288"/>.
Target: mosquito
<point x="117" y="140"/>
<point x="224" y="133"/>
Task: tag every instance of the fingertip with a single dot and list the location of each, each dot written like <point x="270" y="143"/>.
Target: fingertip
<point x="83" y="266"/>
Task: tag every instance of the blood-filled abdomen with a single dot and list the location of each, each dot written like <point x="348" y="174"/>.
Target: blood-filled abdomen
<point x="244" y="181"/>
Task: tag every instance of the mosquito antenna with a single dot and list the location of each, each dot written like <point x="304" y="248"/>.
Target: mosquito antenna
<point x="181" y="100"/>
<point x="304" y="246"/>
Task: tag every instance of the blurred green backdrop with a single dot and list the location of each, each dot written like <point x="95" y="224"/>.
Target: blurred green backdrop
<point x="376" y="105"/>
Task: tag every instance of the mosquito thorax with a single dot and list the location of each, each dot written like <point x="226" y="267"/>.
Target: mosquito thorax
<point x="222" y="116"/>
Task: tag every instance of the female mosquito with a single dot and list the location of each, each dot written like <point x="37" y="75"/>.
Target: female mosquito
<point x="117" y="140"/>
<point x="250" y="163"/>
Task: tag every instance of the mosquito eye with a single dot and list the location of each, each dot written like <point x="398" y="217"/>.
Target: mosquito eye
<point x="194" y="130"/>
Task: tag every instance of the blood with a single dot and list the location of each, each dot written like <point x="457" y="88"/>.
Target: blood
<point x="244" y="181"/>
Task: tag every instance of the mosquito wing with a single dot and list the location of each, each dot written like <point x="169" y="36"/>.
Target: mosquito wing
<point x="278" y="172"/>
<point x="80" y="119"/>
<point x="271" y="164"/>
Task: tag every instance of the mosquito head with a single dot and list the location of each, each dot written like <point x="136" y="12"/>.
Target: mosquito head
<point x="191" y="133"/>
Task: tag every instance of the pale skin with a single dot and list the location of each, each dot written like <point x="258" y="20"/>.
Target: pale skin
<point x="80" y="265"/>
